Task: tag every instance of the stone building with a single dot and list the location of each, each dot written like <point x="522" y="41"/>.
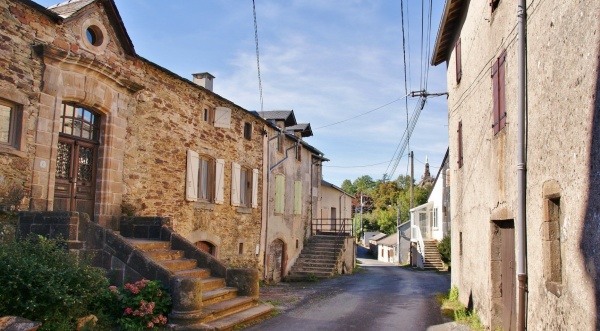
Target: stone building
<point x="292" y="176"/>
<point x="478" y="41"/>
<point x="88" y="125"/>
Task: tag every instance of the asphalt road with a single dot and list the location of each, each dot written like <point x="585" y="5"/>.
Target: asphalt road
<point x="380" y="297"/>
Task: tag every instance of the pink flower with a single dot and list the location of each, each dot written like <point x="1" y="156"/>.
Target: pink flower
<point x="150" y="324"/>
<point x="128" y="311"/>
<point x="113" y="289"/>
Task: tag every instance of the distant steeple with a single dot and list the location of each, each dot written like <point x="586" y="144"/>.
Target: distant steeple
<point x="426" y="180"/>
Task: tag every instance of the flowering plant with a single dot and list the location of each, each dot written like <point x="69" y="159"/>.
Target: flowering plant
<point x="142" y="305"/>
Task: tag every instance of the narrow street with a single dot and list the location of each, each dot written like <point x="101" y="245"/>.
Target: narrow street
<point x="379" y="296"/>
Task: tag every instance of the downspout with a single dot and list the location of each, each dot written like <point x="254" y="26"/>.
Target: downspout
<point x="267" y="202"/>
<point x="521" y="165"/>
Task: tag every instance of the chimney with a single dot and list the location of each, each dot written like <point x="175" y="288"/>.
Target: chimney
<point x="204" y="79"/>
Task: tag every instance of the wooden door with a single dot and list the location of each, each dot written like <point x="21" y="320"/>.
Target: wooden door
<point x="77" y="155"/>
<point x="275" y="261"/>
<point x="508" y="278"/>
<point x="206" y="246"/>
<point x="75" y="176"/>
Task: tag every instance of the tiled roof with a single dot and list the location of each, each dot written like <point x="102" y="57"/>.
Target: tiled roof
<point x="287" y="116"/>
<point x="70" y="7"/>
<point x="304" y="128"/>
<point x="390" y="240"/>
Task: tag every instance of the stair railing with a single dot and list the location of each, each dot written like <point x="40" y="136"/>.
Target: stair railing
<point x="332" y="226"/>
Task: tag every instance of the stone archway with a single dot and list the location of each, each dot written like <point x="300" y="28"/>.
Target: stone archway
<point x="276" y="261"/>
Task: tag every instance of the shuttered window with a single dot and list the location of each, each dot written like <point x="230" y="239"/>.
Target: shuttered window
<point x="235" y="184"/>
<point x="498" y="86"/>
<point x="279" y="194"/>
<point x="220" y="181"/>
<point x="457" y="54"/>
<point x="248" y="131"/>
<point x="191" y="176"/>
<point x="460" y="145"/>
<point x="206" y="179"/>
<point x="244" y="186"/>
<point x="222" y="117"/>
<point x="298" y="197"/>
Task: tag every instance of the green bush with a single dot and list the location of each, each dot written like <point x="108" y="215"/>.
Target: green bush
<point x="43" y="282"/>
<point x="445" y="249"/>
<point x="142" y="305"/>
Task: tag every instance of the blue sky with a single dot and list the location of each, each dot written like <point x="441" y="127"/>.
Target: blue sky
<point x="327" y="60"/>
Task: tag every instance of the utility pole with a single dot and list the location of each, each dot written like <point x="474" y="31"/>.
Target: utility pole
<point x="412" y="176"/>
<point x="361" y="212"/>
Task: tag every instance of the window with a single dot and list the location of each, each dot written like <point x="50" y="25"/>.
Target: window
<point x="457" y="55"/>
<point x="94" y="35"/>
<point x="206" y="179"/>
<point x="248" y="131"/>
<point x="208" y="116"/>
<point x="499" y="93"/>
<point x="298" y="197"/>
<point x="435" y="218"/>
<point x="552" y="244"/>
<point x="279" y="194"/>
<point x="10" y="124"/>
<point x="298" y="152"/>
<point x="244" y="186"/>
<point x="79" y="122"/>
<point x="460" y="145"/>
<point x="241" y="248"/>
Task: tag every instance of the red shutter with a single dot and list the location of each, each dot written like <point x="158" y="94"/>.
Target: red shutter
<point x="495" y="109"/>
<point x="460" y="147"/>
<point x="501" y="92"/>
<point x="458" y="62"/>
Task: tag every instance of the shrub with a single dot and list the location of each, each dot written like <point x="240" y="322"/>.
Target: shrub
<point x="445" y="249"/>
<point x="142" y="305"/>
<point x="43" y="282"/>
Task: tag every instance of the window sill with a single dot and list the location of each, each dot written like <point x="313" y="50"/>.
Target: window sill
<point x="204" y="205"/>
<point x="244" y="210"/>
<point x="5" y="149"/>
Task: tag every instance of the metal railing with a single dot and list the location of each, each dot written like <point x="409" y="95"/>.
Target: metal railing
<point x="332" y="226"/>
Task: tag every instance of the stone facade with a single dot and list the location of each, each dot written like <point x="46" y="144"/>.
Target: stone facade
<point x="563" y="59"/>
<point x="294" y="181"/>
<point x="150" y="120"/>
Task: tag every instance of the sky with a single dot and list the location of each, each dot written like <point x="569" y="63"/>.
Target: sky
<point x="328" y="61"/>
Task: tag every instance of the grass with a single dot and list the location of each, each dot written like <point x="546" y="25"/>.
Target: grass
<point x="453" y="308"/>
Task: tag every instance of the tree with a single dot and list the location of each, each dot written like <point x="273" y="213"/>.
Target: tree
<point x="348" y="187"/>
<point x="364" y="184"/>
<point x="386" y="219"/>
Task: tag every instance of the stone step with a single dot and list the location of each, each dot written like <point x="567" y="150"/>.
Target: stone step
<point x="179" y="264"/>
<point x="315" y="264"/>
<point x="218" y="295"/>
<point x="227" y="307"/>
<point x="166" y="254"/>
<point x="150" y="245"/>
<point x="212" y="283"/>
<point x="196" y="272"/>
<point x="304" y="275"/>
<point x="312" y="270"/>
<point x="243" y="317"/>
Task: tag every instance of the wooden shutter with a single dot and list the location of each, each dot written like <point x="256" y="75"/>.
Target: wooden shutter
<point x="223" y="117"/>
<point x="460" y="145"/>
<point x="279" y="194"/>
<point x="220" y="181"/>
<point x="501" y="92"/>
<point x="457" y="54"/>
<point x="235" y="184"/>
<point x="298" y="197"/>
<point x="254" y="188"/>
<point x="191" y="176"/>
<point x="495" y="93"/>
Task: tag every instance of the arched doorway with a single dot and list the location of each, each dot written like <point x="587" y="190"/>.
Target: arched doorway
<point x="275" y="264"/>
<point x="76" y="160"/>
<point x="207" y="247"/>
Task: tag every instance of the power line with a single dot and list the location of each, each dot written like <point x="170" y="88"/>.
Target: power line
<point x="360" y="166"/>
<point x="260" y="90"/>
<point x="363" y="114"/>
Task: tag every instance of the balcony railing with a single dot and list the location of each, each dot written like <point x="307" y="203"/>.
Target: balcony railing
<point x="332" y="226"/>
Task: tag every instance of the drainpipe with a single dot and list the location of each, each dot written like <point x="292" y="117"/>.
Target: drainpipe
<point x="521" y="166"/>
<point x="266" y="246"/>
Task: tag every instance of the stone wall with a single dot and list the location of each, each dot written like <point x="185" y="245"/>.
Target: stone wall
<point x="562" y="83"/>
<point x="150" y="118"/>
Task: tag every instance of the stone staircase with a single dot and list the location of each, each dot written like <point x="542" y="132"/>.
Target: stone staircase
<point x="319" y="258"/>
<point x="222" y="308"/>
<point x="432" y="258"/>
